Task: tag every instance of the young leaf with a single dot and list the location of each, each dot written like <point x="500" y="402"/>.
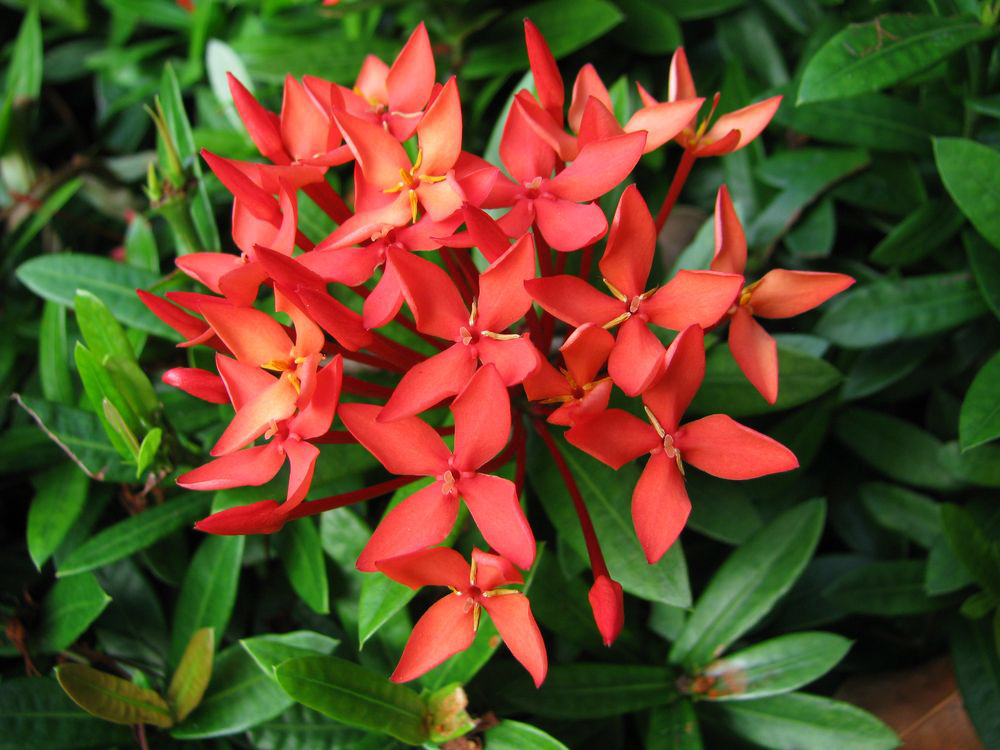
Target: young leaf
<point x="301" y="553"/>
<point x="971" y="173"/>
<point x="188" y="684"/>
<point x="350" y="693"/>
<point x="447" y="718"/>
<point x="147" y="450"/>
<point x="53" y="364"/>
<point x="60" y="494"/>
<point x="112" y="698"/>
<point x="979" y="419"/>
<point x="748" y="584"/>
<point x="870" y="56"/>
<point x="101" y="332"/>
<point x="513" y="735"/>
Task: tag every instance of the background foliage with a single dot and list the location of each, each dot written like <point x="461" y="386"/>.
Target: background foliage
<point x="882" y="163"/>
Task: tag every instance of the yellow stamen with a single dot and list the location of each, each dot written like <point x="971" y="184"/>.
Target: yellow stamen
<point x="500" y="336"/>
<point x="413" y="206"/>
<point x="277" y="365"/>
<point x="655" y="422"/>
<point x="613" y="290"/>
<point x="620" y="319"/>
<point x="475" y="311"/>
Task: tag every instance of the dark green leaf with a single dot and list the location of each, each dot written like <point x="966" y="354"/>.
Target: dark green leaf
<point x="58" y="277"/>
<point x="775" y="666"/>
<point x="59" y="498"/>
<point x="977" y="670"/>
<point x="381" y="598"/>
<point x="301" y="553"/>
<point x="979" y="465"/>
<point x="268" y="651"/>
<point x="798" y="720"/>
<point x="888" y="311"/>
<point x="53" y="364"/>
<point x="984" y="260"/>
<point x="687" y="10"/>
<point x="814" y="234"/>
<point x="972" y="547"/>
<point x="913" y="515"/>
<point x="749" y="583"/>
<point x="869" y="56"/>
<point x="68" y="609"/>
<point x="112" y="698"/>
<point x="301" y="728"/>
<point x="723" y="511"/>
<point x="135" y="533"/>
<point x="879" y="367"/>
<point x="971" y="173"/>
<point x="884" y="587"/>
<point x="24" y="74"/>
<point x="513" y="735"/>
<point x="945" y="572"/>
<point x="647" y="28"/>
<point x="188" y="684"/>
<point x="979" y="421"/>
<point x="674" y="727"/>
<point x="351" y="694"/>
<point x="208" y="592"/>
<point x="919" y="234"/>
<point x="892" y="185"/>
<point x="43" y="216"/>
<point x="726" y="389"/>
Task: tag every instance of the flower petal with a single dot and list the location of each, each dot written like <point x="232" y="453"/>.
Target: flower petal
<point x="724" y="448"/>
<point x="730" y="239"/>
<point x="502" y="298"/>
<point x="421" y="520"/>
<point x="485" y="233"/>
<point x="522" y="151"/>
<point x="660" y="506"/>
<point x="512" y="616"/>
<point x="243" y="382"/>
<point x="607" y="603"/>
<point x="614" y="437"/>
<point x="693" y="298"/>
<point x="482" y="419"/>
<point x="251" y="467"/>
<point x="440" y="131"/>
<point x="262" y="126"/>
<point x="264" y="517"/>
<point x="253" y="336"/>
<point x="430" y="381"/>
<point x="444" y="629"/>
<point x="782" y="294"/>
<point x="755" y="352"/>
<point x="598" y="168"/>
<point x="631" y="243"/>
<point x="663" y="121"/>
<point x="515" y="359"/>
<point x="407" y="446"/>
<point x="585" y="351"/>
<point x="252" y="420"/>
<point x="198" y="383"/>
<point x="493" y="570"/>
<point x="380" y="156"/>
<point x="573" y="300"/>
<point x="685" y="369"/>
<point x="305" y="127"/>
<point x="335" y="318"/>
<point x="208" y="268"/>
<point x="385" y="301"/>
<point x="588" y="84"/>
<point x="545" y="72"/>
<point x="431" y="294"/>
<point x="492" y="501"/>
<point x="314" y="419"/>
<point x="681" y="84"/>
<point x="437" y="566"/>
<point x="411" y="77"/>
<point x="749" y="121"/>
<point x="569" y="226"/>
<point x="637" y="359"/>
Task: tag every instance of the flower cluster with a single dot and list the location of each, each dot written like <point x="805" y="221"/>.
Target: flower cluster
<point x="491" y="299"/>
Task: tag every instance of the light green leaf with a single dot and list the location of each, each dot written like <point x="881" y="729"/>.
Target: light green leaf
<point x="979" y="419"/>
<point x="301" y="554"/>
<point x="514" y="735"/>
<point x="60" y="494"/>
<point x="268" y="651"/>
<point x="147" y="450"/>
<point x="112" y="698"/>
<point x="53" y="364"/>
<point x="68" y="609"/>
<point x="381" y="598"/>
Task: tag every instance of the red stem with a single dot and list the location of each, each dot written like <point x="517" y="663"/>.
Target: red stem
<point x="305" y="244"/>
<point x="597" y="563"/>
<point x="680" y="177"/>
<point x="585" y="262"/>
<point x="520" y="449"/>
<point x="334" y="437"/>
<point x="329" y="200"/>
<point x="349" y="498"/>
<point x="359" y="387"/>
<point x="402" y="356"/>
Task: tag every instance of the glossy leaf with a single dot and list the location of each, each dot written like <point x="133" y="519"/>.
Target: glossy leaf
<point x="147" y="450"/>
<point x="977" y="670"/>
<point x="140" y="245"/>
<point x="971" y="173"/>
<point x="24" y="74"/>
<point x="60" y="494"/>
<point x="648" y="28"/>
<point x="984" y="261"/>
<point x="749" y="583"/>
<point x="301" y="728"/>
<point x="884" y="587"/>
<point x="913" y="515"/>
<point x="188" y="684"/>
<point x="515" y="735"/>
<point x="380" y="599"/>
<point x="970" y="544"/>
<point x="867" y="57"/>
<point x="112" y="698"/>
<point x="268" y="651"/>
<point x="979" y="420"/>
<point x="134" y="534"/>
<point x="68" y="610"/>
<point x="300" y="551"/>
<point x="674" y="727"/>
<point x="53" y="363"/>
<point x="103" y="334"/>
<point x="351" y="694"/>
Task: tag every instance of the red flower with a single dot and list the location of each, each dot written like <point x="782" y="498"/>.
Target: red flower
<point x="450" y="625"/>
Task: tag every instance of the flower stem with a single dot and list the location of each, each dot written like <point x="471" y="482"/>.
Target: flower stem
<point x="680" y="177"/>
<point x="313" y="507"/>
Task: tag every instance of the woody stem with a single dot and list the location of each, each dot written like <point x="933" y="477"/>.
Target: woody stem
<point x="680" y="177"/>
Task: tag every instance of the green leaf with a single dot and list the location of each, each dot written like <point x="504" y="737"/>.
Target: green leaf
<point x="102" y="333"/>
<point x="688" y="10"/>
<point x="68" y="609"/>
<point x="798" y="720"/>
<point x="107" y="401"/>
<point x="870" y="56"/>
<point x="380" y="599"/>
<point x="971" y="173"/>
<point x="53" y="364"/>
<point x="591" y="691"/>
<point x="147" y="450"/>
<point x="879" y="367"/>
<point x="140" y="245"/>
<point x="112" y="698"/>
<point x="913" y="515"/>
<point x="351" y="694"/>
<point x="591" y="19"/>
<point x="647" y="27"/>
<point x="24" y="75"/>
<point x="888" y="588"/>
<point x="893" y="185"/>
<point x="887" y="311"/>
<point x="187" y="686"/>
<point x="239" y="696"/>
<point x="80" y="435"/>
<point x="43" y="216"/>
<point x="945" y="572"/>
<point x="674" y="727"/>
<point x="979" y="419"/>
<point x="984" y="261"/>
<point x="723" y="511"/>
<point x="60" y="494"/>
<point x="979" y="465"/>
<point x="301" y="553"/>
<point x="607" y="494"/>
<point x="208" y="592"/>
<point x="776" y="666"/>
<point x="513" y="735"/>
<point x="32" y="708"/>
<point x="977" y="670"/>
<point x="57" y="277"/>
<point x="301" y="728"/>
<point x="749" y="583"/>
<point x="726" y="389"/>
<point x="919" y="234"/>
<point x="268" y="651"/>
<point x="220" y="59"/>
<point x="898" y="449"/>
<point x="135" y="533"/>
<point x="972" y="547"/>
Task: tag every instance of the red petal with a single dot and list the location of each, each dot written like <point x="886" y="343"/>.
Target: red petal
<point x="302" y="460"/>
<point x="546" y="128"/>
<point x="518" y="220"/>
<point x="573" y="300"/>
<point x="247" y="468"/>
<point x="587" y="84"/>
<point x="314" y="419"/>
<point x="384" y="302"/>
<point x="305" y="127"/>
<point x="637" y="359"/>
<point x="782" y="294"/>
<point x="440" y="199"/>
<point x="598" y="168"/>
<point x="492" y="501"/>
<point x="289" y="272"/>
<point x="252" y="420"/>
<point x="199" y="383"/>
<point x="264" y="517"/>
<point x="259" y="201"/>
<point x="380" y="156"/>
<point x="262" y="126"/>
<point x="548" y="82"/>
<point x="411" y="76"/>
<point x="631" y="243"/>
<point x="371" y="80"/>
<point x="593" y="403"/>
<point x="546" y="382"/>
<point x="502" y="298"/>
<point x="685" y="369"/>
<point x="208" y="268"/>
<point x="693" y="298"/>
<point x="345" y="265"/>
<point x="586" y="350"/>
<point x="755" y="352"/>
<point x="493" y="570"/>
<point x="597" y="124"/>
<point x="430" y="381"/>
<point x="253" y="336"/>
<point x="421" y="520"/>
<point x="185" y="324"/>
<point x="485" y="233"/>
<point x="730" y="240"/>
<point x="243" y="382"/>
<point x="663" y="121"/>
<point x="407" y="446"/>
<point x="440" y="131"/>
<point x="431" y="294"/>
<point x="681" y="84"/>
<point x="515" y="359"/>
<point x="512" y="616"/>
<point x="749" y="121"/>
<point x="437" y="566"/>
<point x="607" y="603"/>
<point x="336" y="319"/>
<point x="614" y="437"/>
<point x="525" y="155"/>
<point x="660" y="506"/>
<point x="241" y="284"/>
<point x="569" y="226"/>
<point x="444" y="629"/>
<point x="482" y="419"/>
<point x="724" y="448"/>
